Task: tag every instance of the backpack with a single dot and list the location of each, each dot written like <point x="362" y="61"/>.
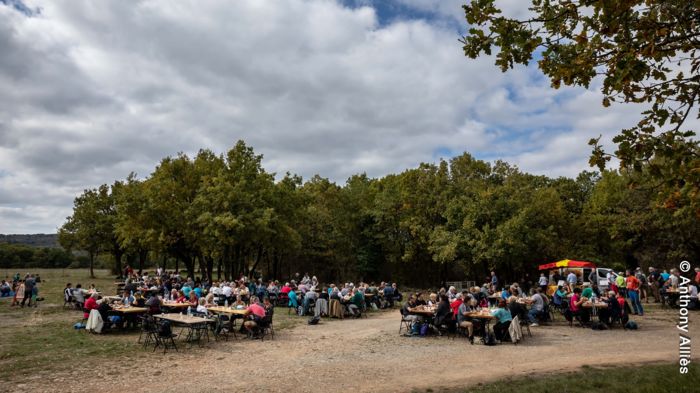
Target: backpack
<point x="165" y="330"/>
<point x="490" y="340"/>
<point x="599" y="326"/>
<point x="314" y="320"/>
<point x="300" y="311"/>
<point x="415" y="329"/>
<point x="424" y="329"/>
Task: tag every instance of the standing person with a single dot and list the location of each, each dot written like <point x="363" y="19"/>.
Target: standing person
<point x="643" y="284"/>
<point x="29" y="284"/>
<point x="537" y="308"/>
<point x="621" y="284"/>
<point x="571" y="280"/>
<point x="654" y="278"/>
<point x="494" y="281"/>
<point x="633" y="284"/>
<point x="543" y="282"/>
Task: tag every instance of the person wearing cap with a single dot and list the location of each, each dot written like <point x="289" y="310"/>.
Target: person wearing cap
<point x="587" y="290"/>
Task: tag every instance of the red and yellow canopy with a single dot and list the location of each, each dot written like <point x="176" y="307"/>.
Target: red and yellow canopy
<point x="567" y="263"/>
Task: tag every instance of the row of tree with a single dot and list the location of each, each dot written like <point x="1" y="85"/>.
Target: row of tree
<point x="225" y="215"/>
<point x="25" y="256"/>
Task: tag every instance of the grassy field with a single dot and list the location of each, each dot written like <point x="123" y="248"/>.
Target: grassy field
<point x="640" y="379"/>
<point x="43" y="338"/>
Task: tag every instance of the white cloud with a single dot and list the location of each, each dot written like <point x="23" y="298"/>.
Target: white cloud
<point x="92" y="91"/>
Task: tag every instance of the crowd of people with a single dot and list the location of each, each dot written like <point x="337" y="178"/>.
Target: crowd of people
<point x="21" y="290"/>
<point x="304" y="295"/>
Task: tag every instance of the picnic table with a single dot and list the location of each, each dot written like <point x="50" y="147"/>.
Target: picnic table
<point x="130" y="310"/>
<point x="485" y="317"/>
<point x="228" y="310"/>
<point x="424" y="311"/>
<point x="175" y="306"/>
<point x="195" y="325"/>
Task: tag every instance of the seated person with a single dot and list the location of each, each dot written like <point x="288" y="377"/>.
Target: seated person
<point x="79" y="296"/>
<point x="104" y="308"/>
<point x="90" y="304"/>
<point x="576" y="308"/>
<point x="180" y="297"/>
<point x="309" y="297"/>
<point x="201" y="306"/>
<point x="193" y="300"/>
<point x="397" y="295"/>
<point x="500" y="329"/>
<point x="153" y="303"/>
<point x="239" y="304"/>
<point x="559" y="298"/>
<point x="257" y="312"/>
<point x="407" y="308"/>
<point x="443" y="315"/>
<point x="537" y="308"/>
<point x="516" y="309"/>
<point x="293" y="299"/>
<point x="454" y="305"/>
<point x="463" y="321"/>
<point x="67" y="293"/>
<point x="127" y="299"/>
<point x="357" y="301"/>
<point x="139" y="301"/>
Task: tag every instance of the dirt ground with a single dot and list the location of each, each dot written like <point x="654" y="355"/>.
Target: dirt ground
<point x="362" y="355"/>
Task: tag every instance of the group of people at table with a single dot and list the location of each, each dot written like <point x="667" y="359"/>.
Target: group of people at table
<point x="253" y="299"/>
<point x="471" y="311"/>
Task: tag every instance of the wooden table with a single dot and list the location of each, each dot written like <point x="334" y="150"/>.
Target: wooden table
<point x="130" y="310"/>
<point x="229" y="310"/>
<point x="184" y="319"/>
<point x="175" y="306"/>
<point x="596" y="305"/>
<point x="427" y="312"/>
<point x="194" y="325"/>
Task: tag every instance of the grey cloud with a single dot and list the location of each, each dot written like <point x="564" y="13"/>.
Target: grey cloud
<point x="90" y="93"/>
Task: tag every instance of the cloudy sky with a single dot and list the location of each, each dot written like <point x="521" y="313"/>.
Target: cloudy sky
<point x="90" y="91"/>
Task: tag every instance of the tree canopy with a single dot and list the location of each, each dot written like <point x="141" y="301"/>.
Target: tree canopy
<point x="223" y="215"/>
<point x="645" y="51"/>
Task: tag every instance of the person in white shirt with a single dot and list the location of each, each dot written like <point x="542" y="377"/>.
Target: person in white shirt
<point x="201" y="308"/>
<point x="226" y="290"/>
<point x="571" y="280"/>
<point x="543" y="282"/>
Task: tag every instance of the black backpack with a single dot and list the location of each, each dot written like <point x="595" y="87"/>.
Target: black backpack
<point x="314" y="320"/>
<point x="165" y="330"/>
<point x="490" y="340"/>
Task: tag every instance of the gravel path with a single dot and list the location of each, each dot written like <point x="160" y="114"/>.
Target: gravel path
<point x="369" y="355"/>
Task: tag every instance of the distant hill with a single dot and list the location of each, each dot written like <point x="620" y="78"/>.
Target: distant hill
<point x="35" y="240"/>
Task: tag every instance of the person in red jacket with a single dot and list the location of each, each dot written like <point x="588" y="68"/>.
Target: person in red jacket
<point x="90" y="304"/>
<point x="456" y="303"/>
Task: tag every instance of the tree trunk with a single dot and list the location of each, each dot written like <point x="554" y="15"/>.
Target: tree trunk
<point x="210" y="268"/>
<point x="258" y="258"/>
<point x="189" y="264"/>
<point x="118" y="253"/>
<point x="92" y="263"/>
<point x="143" y="254"/>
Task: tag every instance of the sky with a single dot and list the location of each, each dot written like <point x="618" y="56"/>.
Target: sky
<point x="91" y="91"/>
